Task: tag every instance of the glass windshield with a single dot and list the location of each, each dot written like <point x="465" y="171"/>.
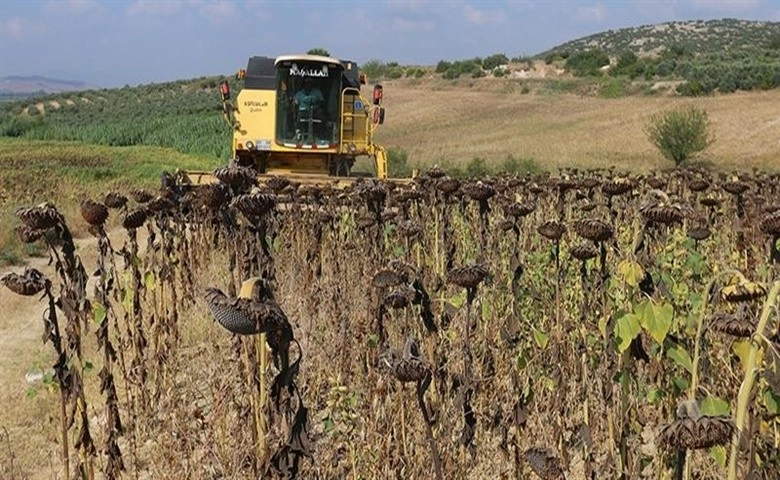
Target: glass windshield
<point x="308" y="110"/>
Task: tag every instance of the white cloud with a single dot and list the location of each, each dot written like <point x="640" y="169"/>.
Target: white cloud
<point x="154" y="7"/>
<point x="408" y="25"/>
<point x="482" y="17"/>
<point x="72" y="6"/>
<point x="727" y="5"/>
<point x="218" y="11"/>
<point x="592" y="13"/>
<point x="18" y="28"/>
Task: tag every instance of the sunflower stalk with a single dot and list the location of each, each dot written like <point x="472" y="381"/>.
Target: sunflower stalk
<point x="746" y="388"/>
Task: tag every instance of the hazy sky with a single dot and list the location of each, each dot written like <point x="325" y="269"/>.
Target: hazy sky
<point x="117" y="42"/>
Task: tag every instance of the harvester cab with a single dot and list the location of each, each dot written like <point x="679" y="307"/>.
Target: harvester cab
<point x="304" y="117"/>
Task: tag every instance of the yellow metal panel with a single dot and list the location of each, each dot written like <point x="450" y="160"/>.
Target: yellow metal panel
<point x="256" y="116"/>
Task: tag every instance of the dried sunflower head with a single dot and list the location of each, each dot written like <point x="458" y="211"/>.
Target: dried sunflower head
<point x="160" y="204"/>
<point x="479" y="190"/>
<point x="373" y="192"/>
<point x="436" y="172"/>
<point x="387" y="278"/>
<point x="134" y="219"/>
<point x="585" y="251"/>
<point x="699" y="233"/>
<point x="399" y="298"/>
<point x="407" y="364"/>
<point x="254" y="206"/>
<point x="693" y="431"/>
<point x="590" y="182"/>
<point x="389" y="215"/>
<point x="552" y="229"/>
<point x="519" y="209"/>
<point x="115" y="200"/>
<point x="447" y="185"/>
<point x="28" y="235"/>
<point x="710" y="201"/>
<point x="469" y="276"/>
<point x="236" y="176"/>
<point x="655" y="182"/>
<point x="30" y="283"/>
<point x="594" y="229"/>
<point x="140" y="195"/>
<point x="617" y="186"/>
<point x="770" y="224"/>
<point x="544" y="463"/>
<point x="664" y="213"/>
<point x="741" y="289"/>
<point x="40" y="217"/>
<point x="365" y="221"/>
<point x="698" y="185"/>
<point x="737" y="326"/>
<point x="277" y="184"/>
<point x="93" y="212"/>
<point x="564" y="184"/>
<point x="735" y="186"/>
<point x="410" y="228"/>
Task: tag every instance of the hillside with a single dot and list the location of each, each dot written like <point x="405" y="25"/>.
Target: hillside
<point x="15" y="85"/>
<point x="702" y="37"/>
<point x="184" y="115"/>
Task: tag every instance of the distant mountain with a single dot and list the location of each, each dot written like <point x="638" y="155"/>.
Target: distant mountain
<point x="15" y="85"/>
<point x="698" y="36"/>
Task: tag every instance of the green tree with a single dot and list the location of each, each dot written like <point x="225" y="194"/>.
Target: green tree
<point x="318" y="51"/>
<point x="680" y="133"/>
<point x="495" y="60"/>
<point x="586" y="63"/>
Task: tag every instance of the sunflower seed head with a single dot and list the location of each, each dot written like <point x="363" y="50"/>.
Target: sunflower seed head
<point x="30" y="283"/>
<point x="93" y="212"/>
<point x="552" y="230"/>
<point x="469" y="276"/>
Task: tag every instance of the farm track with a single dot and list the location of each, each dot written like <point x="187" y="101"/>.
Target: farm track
<point x="26" y="419"/>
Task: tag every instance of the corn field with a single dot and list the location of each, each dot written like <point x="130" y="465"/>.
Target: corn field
<point x="583" y="325"/>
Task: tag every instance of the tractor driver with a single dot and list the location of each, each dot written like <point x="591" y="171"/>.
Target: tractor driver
<point x="308" y="98"/>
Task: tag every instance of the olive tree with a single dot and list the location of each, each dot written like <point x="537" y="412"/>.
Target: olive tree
<point x="680" y="133"/>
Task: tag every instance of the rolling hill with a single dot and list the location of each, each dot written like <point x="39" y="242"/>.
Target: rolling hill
<point x="702" y="37"/>
<point x="27" y="85"/>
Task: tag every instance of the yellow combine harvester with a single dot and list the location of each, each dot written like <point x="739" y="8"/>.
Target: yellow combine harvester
<point x="302" y="117"/>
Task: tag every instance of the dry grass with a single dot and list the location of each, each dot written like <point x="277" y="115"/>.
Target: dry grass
<point x="453" y="122"/>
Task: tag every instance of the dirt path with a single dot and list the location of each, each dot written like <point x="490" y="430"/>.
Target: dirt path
<point x="29" y="415"/>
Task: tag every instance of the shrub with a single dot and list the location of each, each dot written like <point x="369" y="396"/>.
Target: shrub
<point x="586" y="63"/>
<point x="318" y="51"/>
<point x="494" y="61"/>
<point x="477" y="167"/>
<point x="443" y="66"/>
<point x="394" y="73"/>
<point x="612" y="88"/>
<point x="680" y="133"/>
<point x="519" y="165"/>
<point x="397" y="163"/>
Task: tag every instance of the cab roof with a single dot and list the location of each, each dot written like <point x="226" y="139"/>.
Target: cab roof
<point x="306" y="58"/>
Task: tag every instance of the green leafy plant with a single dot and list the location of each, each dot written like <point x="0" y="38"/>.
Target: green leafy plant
<point x="681" y="133"/>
